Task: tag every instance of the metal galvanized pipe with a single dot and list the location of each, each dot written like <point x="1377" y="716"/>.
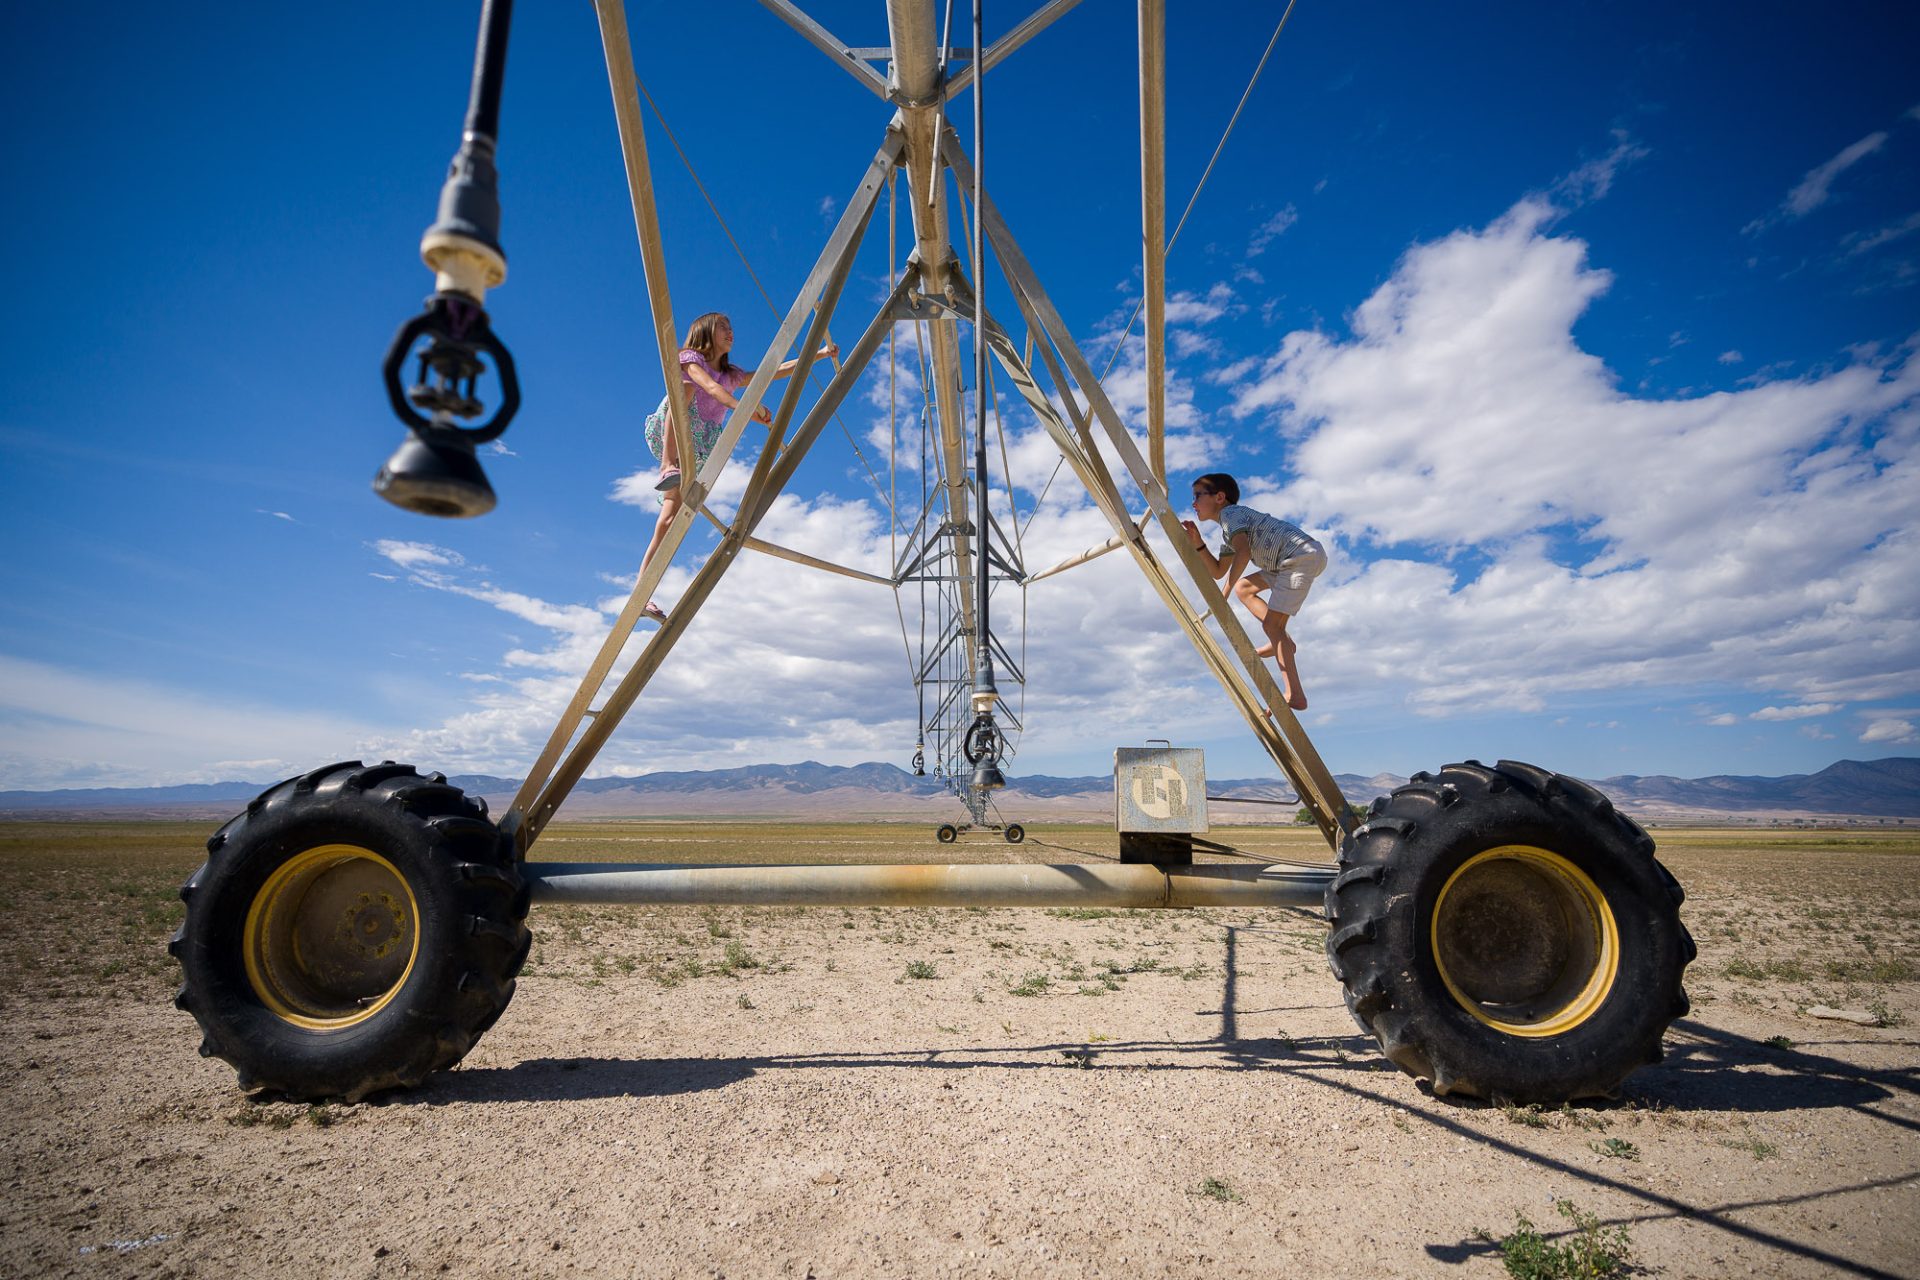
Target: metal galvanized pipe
<point x="1113" y="885"/>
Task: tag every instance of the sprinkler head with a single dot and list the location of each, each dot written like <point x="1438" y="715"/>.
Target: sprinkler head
<point x="435" y="474"/>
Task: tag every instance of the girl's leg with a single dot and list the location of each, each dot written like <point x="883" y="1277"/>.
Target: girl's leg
<point x="669" y="451"/>
<point x="669" y="508"/>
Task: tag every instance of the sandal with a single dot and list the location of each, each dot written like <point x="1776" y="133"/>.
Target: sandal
<point x="655" y="612"/>
<point x="669" y="479"/>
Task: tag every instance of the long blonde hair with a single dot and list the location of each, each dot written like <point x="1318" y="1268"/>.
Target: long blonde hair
<point x="700" y="338"/>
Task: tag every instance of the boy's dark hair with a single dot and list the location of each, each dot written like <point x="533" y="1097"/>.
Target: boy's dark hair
<point x="1221" y="482"/>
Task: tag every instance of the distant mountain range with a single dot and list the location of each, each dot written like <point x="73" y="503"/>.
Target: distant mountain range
<point x="1850" y="788"/>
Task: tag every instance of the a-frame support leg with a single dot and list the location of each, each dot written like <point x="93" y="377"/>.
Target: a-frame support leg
<point x="1274" y="724"/>
<point x="544" y="789"/>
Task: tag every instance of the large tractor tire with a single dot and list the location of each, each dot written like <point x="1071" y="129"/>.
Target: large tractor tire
<point x="1507" y="935"/>
<point x="356" y="929"/>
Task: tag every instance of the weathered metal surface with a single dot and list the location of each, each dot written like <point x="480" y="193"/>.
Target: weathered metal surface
<point x="948" y="885"/>
<point x="1160" y="789"/>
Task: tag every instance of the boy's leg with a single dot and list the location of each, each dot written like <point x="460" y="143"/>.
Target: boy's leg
<point x="1279" y="644"/>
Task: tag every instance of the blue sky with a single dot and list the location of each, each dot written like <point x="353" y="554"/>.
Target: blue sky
<point x="1583" y="334"/>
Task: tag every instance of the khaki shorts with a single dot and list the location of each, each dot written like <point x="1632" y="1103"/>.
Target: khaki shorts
<point x="1291" y="579"/>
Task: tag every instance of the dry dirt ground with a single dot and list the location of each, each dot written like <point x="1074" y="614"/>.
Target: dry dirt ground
<point x="774" y="1093"/>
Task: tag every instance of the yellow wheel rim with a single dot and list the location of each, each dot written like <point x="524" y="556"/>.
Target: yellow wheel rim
<point x="1525" y="941"/>
<point x="331" y="937"/>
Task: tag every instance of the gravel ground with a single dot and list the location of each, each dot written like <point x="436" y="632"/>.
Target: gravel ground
<point x="769" y="1093"/>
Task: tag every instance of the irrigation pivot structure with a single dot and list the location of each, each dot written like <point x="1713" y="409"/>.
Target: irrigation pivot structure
<point x="1500" y="930"/>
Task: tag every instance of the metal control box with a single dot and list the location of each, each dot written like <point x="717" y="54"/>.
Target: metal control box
<point x="1159" y="801"/>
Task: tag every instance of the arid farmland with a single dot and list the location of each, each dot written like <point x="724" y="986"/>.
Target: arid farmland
<point x="962" y="1092"/>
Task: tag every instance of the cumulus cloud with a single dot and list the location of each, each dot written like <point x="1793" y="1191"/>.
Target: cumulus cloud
<point x="786" y="662"/>
<point x="1803" y="712"/>
<point x="1890" y="731"/>
<point x="1525" y="528"/>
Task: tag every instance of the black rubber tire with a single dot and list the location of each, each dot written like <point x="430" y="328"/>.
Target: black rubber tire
<point x="946" y="833"/>
<point x="438" y="871"/>
<point x="1385" y="935"/>
<point x="1015" y="833"/>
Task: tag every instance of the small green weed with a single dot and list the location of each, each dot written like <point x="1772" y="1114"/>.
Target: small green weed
<point x="1217" y="1189"/>
<point x="1618" y="1148"/>
<point x="1876" y="969"/>
<point x="921" y="969"/>
<point x="743" y="1002"/>
<point x="319" y="1116"/>
<point x="738" y="957"/>
<point x="1033" y="984"/>
<point x="1591" y="1252"/>
<point x="1078" y="1057"/>
<point x="251" y="1114"/>
<point x="1757" y="1147"/>
<point x="1529" y="1116"/>
<point x="1779" y="1042"/>
<point x="1758" y="971"/>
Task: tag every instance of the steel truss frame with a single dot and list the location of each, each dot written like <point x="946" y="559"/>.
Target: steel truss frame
<point x="931" y="288"/>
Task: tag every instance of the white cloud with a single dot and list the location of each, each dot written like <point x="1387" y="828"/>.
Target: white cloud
<point x="1270" y="230"/>
<point x="1592" y="180"/>
<point x="1859" y="243"/>
<point x="1813" y="190"/>
<point x="152" y="735"/>
<point x="1804" y="712"/>
<point x="1724" y="718"/>
<point x="418" y="555"/>
<point x="1890" y="731"/>
<point x="1731" y="357"/>
<point x="786" y="662"/>
<point x="1187" y="307"/>
<point x="1515" y="527"/>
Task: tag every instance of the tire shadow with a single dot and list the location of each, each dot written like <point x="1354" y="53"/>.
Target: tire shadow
<point x="1707" y="1069"/>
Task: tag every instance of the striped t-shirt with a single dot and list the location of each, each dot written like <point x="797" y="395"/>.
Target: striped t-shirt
<point x="1270" y="539"/>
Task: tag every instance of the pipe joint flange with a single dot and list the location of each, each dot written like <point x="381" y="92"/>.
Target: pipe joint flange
<point x="462" y="264"/>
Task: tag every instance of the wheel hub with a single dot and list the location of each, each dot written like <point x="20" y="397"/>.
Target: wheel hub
<point x="1525" y="941"/>
<point x="331" y="936"/>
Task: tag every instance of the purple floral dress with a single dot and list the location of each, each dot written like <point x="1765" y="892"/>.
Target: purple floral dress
<point x="709" y="415"/>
